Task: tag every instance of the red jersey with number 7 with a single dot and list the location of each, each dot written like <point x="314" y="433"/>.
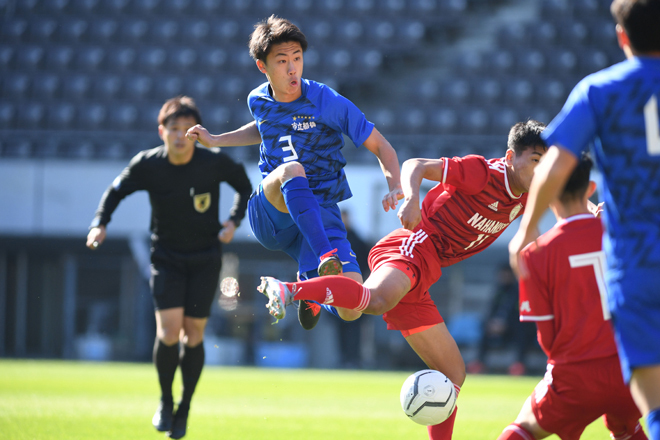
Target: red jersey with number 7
<point x="564" y="291"/>
<point x="469" y="208"/>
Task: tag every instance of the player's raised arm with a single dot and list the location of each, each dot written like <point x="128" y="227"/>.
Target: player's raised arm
<point x="246" y="135"/>
<point x="389" y="163"/>
<point x="550" y="176"/>
<point x="412" y="174"/>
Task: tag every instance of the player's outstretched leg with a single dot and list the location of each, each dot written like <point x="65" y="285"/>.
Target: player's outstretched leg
<point x="309" y="312"/>
<point x="279" y="296"/>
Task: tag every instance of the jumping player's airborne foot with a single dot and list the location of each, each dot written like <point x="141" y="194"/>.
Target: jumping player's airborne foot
<point x="180" y="422"/>
<point x="309" y="313"/>
<point x="278" y="296"/>
<point x="330" y="264"/>
<point x="162" y="420"/>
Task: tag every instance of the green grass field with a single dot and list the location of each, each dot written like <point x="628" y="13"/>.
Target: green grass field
<point x="79" y="400"/>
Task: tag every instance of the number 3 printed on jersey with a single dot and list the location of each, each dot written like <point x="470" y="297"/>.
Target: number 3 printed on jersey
<point x="652" y="127"/>
<point x="289" y="147"/>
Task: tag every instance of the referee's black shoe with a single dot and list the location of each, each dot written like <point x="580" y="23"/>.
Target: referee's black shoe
<point x="180" y="422"/>
<point x="163" y="418"/>
<point x="309" y="313"/>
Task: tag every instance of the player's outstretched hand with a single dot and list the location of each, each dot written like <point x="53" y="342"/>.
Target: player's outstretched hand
<point x="199" y="134"/>
<point x="409" y="214"/>
<point x="227" y="233"/>
<point x="95" y="237"/>
<point x="392" y="198"/>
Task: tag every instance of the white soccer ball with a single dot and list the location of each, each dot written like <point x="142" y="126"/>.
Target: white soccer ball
<point x="428" y="397"/>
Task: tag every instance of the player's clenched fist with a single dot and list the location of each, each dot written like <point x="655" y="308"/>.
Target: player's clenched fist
<point x="199" y="134"/>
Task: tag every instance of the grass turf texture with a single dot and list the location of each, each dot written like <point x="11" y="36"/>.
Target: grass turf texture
<point x="79" y="400"/>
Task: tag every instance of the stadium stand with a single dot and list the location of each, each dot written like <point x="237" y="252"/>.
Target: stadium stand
<point x="96" y="64"/>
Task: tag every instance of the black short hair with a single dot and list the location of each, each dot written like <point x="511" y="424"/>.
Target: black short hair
<point x="525" y="135"/>
<point x="641" y="21"/>
<point x="271" y="31"/>
<point x="180" y="106"/>
<point x="578" y="182"/>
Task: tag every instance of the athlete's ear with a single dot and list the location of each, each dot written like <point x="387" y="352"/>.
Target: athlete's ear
<point x="591" y="189"/>
<point x="161" y="128"/>
<point x="509" y="156"/>
<point x="261" y="66"/>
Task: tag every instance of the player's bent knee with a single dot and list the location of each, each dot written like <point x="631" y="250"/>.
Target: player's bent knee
<point x="348" y="314"/>
<point x="379" y="305"/>
<point x="290" y="170"/>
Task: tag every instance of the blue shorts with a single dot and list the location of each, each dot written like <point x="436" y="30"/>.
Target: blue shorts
<point x="635" y="306"/>
<point x="277" y="231"/>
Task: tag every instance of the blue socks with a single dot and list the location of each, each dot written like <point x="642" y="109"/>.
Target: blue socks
<point x="306" y="213"/>
<point x="653" y="424"/>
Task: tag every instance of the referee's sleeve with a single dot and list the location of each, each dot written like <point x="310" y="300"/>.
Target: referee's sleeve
<point x="236" y="176"/>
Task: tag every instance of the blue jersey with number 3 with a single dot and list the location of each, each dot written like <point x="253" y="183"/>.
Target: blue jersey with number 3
<point x="309" y="131"/>
<point x="617" y="110"/>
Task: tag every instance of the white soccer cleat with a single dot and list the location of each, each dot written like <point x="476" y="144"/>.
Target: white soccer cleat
<point x="278" y="295"/>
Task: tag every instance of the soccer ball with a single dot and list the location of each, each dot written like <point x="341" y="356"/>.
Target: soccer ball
<point x="428" y="397"/>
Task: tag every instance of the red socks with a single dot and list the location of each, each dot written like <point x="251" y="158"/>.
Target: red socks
<point x="515" y="432"/>
<point x="444" y="430"/>
<point x="335" y="290"/>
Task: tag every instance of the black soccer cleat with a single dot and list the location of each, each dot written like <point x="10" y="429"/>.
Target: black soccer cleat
<point x="163" y="418"/>
<point x="180" y="423"/>
<point x="309" y="313"/>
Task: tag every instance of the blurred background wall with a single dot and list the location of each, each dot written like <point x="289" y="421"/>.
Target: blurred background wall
<point x="81" y="83"/>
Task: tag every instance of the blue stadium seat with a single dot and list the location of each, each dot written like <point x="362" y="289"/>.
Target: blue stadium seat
<point x="501" y="62"/>
<point x="218" y="115"/>
<point x="114" y="150"/>
<point x="552" y="91"/>
<point x="80" y="149"/>
<point x="339" y="59"/>
<point x="321" y="31"/>
<point x="182" y="58"/>
<point x="564" y="61"/>
<point x="383" y="118"/>
<point x="198" y="31"/>
<point x="164" y="31"/>
<point x="14" y="31"/>
<point x="149" y="115"/>
<point x="487" y="90"/>
<point x="234" y="87"/>
<point x="27" y="6"/>
<point x="457" y="90"/>
<point x="93" y="117"/>
<point x="90" y="58"/>
<point x="170" y="86"/>
<point x="362" y="7"/>
<point x="574" y="33"/>
<point x="121" y="59"/>
<point x="77" y="86"/>
<point x="300" y="6"/>
<point x="47" y="149"/>
<point x="519" y="91"/>
<point x="104" y="30"/>
<point x="209" y="8"/>
<point x="239" y="6"/>
<point x="502" y="119"/>
<point x="6" y="57"/>
<point x="382" y="31"/>
<point x="43" y="30"/>
<point x="73" y="30"/>
<point x="86" y="7"/>
<point x="393" y="7"/>
<point x="513" y="35"/>
<point x="146" y="7"/>
<point x="266" y="7"/>
<point x="215" y="59"/>
<point x="15" y="86"/>
<point x="31" y="115"/>
<point x="176" y="7"/>
<point x="332" y="6"/>
<point x="412" y="120"/>
<point x="412" y="32"/>
<point x="428" y="89"/>
<point x="470" y="62"/>
<point x="138" y="87"/>
<point x="7" y="114"/>
<point x="55" y="6"/>
<point x="59" y="58"/>
<point x="61" y="116"/>
<point x="474" y="120"/>
<point x="424" y="7"/>
<point x="444" y="120"/>
<point x="153" y="58"/>
<point x="203" y="87"/>
<point x="46" y="86"/>
<point x="21" y="148"/>
<point x="594" y="60"/>
<point x="531" y="61"/>
<point x="31" y="57"/>
<point x="134" y="30"/>
<point x="350" y="30"/>
<point x="124" y="116"/>
<point x="227" y="30"/>
<point x="107" y="87"/>
<point x="542" y="34"/>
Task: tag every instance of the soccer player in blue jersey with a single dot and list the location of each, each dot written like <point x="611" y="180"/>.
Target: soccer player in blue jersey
<point x="617" y="110"/>
<point x="299" y="124"/>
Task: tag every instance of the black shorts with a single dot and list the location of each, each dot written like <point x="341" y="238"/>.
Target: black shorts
<point x="185" y="279"/>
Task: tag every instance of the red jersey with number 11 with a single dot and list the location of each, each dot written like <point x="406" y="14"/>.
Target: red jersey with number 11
<point x="469" y="208"/>
<point x="564" y="292"/>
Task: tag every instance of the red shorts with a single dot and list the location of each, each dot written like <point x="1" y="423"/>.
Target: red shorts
<point x="571" y="396"/>
<point x="415" y="255"/>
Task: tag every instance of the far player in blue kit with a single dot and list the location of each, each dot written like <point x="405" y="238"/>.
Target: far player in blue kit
<point x="299" y="124"/>
<point x="617" y="110"/>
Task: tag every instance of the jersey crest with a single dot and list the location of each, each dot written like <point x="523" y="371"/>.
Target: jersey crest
<point x="202" y="202"/>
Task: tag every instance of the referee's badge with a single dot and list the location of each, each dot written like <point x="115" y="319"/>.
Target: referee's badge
<point x="202" y="202"/>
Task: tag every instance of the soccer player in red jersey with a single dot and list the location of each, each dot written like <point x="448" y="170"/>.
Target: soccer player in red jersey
<point x="475" y="200"/>
<point x="563" y="292"/>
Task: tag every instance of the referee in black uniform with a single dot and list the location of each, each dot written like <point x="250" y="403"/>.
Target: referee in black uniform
<point x="183" y="184"/>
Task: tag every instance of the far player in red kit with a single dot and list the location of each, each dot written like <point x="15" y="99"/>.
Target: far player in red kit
<point x="474" y="202"/>
<point x="563" y="291"/>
